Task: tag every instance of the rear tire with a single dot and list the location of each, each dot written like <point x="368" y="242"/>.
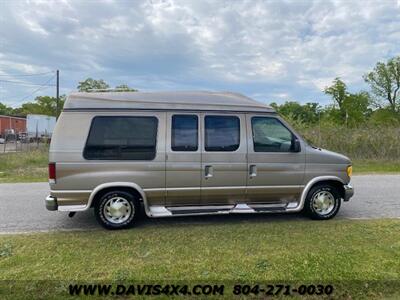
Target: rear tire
<point x="322" y="202"/>
<point x="116" y="210"/>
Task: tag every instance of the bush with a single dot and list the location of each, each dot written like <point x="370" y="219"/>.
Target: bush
<point x="357" y="143"/>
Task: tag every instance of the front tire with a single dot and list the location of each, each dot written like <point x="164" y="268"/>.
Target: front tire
<point x="322" y="202"/>
<point x="116" y="210"/>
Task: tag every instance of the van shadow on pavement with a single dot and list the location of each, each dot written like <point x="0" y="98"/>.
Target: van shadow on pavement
<point x="86" y="219"/>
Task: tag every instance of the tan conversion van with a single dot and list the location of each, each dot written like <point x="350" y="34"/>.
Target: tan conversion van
<point x="186" y="153"/>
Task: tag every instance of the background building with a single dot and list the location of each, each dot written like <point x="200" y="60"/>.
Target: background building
<point x="12" y="125"/>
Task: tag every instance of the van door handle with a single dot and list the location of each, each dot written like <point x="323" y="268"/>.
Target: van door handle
<point x="208" y="172"/>
<point x="253" y="171"/>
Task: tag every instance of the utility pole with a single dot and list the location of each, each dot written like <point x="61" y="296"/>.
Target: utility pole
<point x="58" y="93"/>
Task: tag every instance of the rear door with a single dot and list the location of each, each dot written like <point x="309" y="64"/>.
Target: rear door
<point x="224" y="163"/>
<point x="183" y="159"/>
<point x="275" y="172"/>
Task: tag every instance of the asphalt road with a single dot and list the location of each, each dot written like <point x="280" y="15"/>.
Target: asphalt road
<point x="22" y="208"/>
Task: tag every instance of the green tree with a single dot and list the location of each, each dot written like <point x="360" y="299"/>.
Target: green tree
<point x="385" y="116"/>
<point x="92" y="84"/>
<point x="338" y="92"/>
<point x="306" y="114"/>
<point x="42" y="105"/>
<point x="348" y="108"/>
<point x="6" y="110"/>
<point x="384" y="81"/>
<point x="125" y="88"/>
<point x="357" y="108"/>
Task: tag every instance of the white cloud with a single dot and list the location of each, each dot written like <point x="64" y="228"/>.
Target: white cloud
<point x="275" y="49"/>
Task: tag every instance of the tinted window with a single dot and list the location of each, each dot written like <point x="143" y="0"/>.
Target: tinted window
<point x="270" y="135"/>
<point x="222" y="133"/>
<point x="122" y="138"/>
<point x="184" y="133"/>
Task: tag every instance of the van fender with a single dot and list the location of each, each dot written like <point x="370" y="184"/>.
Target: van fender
<point x="120" y="184"/>
<point x="307" y="188"/>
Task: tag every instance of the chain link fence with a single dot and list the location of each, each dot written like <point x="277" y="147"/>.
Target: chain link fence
<point x="21" y="143"/>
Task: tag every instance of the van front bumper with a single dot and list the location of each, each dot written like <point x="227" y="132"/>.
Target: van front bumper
<point x="348" y="192"/>
<point x="51" y="203"/>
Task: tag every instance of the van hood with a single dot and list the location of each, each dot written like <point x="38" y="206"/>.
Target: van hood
<point x="319" y="155"/>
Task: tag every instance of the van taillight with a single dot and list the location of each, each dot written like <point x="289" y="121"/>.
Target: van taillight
<point x="52" y="172"/>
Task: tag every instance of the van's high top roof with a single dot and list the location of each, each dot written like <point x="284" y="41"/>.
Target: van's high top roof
<point x="219" y="101"/>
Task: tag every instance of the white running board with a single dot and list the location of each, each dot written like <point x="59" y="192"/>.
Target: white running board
<point x="159" y="211"/>
<point x="242" y="209"/>
<point x="163" y="211"/>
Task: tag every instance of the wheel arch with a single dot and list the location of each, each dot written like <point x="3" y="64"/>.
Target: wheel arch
<point x="332" y="180"/>
<point x="109" y="186"/>
<point x="334" y="183"/>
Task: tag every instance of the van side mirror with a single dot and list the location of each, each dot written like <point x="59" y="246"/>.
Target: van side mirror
<point x="296" y="145"/>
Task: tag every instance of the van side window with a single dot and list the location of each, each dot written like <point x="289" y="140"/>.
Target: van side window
<point x="184" y="135"/>
<point x="222" y="133"/>
<point x="122" y="138"/>
<point x="270" y="135"/>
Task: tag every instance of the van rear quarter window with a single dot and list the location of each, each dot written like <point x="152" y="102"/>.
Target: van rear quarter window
<point x="122" y="138"/>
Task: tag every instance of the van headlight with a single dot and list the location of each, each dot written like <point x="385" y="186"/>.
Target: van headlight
<point x="349" y="171"/>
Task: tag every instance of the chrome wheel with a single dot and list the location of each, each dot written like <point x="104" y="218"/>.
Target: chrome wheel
<point x="323" y="202"/>
<point x="117" y="210"/>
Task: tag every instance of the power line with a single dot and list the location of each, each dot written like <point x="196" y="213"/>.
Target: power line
<point x="24" y="83"/>
<point x="22" y="75"/>
<point x="43" y="86"/>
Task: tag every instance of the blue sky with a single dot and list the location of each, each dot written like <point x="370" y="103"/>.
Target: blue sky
<point x="268" y="50"/>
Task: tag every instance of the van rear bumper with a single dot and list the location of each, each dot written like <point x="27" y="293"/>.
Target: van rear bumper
<point x="51" y="203"/>
<point x="348" y="192"/>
